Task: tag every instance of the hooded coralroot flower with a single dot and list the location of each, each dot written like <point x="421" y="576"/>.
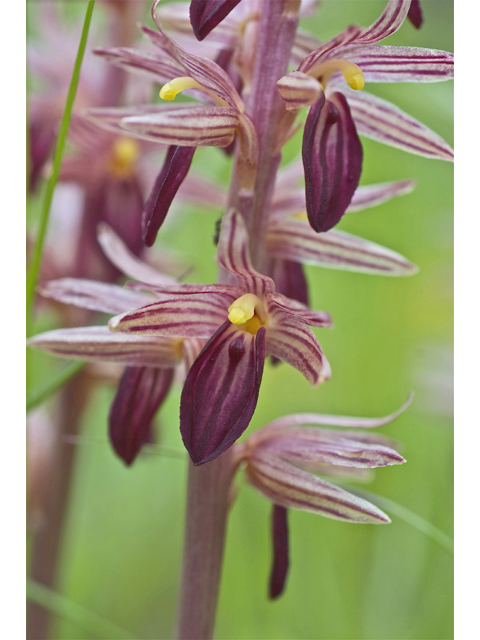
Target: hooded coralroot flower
<point x="150" y="360"/>
<point x="183" y="126"/>
<point x="282" y="461"/>
<point x="332" y="153"/>
<point x="248" y="319"/>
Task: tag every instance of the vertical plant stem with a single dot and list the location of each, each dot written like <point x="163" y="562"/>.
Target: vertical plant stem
<point x="57" y="160"/>
<point x="46" y="544"/>
<point x="205" y="527"/>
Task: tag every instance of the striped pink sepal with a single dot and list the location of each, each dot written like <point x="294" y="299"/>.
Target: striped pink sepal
<point x="158" y="68"/>
<point x="221" y="391"/>
<point x="285" y="484"/>
<point x="206" y="14"/>
<point x="280" y="562"/>
<point x="234" y="256"/>
<point x="128" y="263"/>
<point x="300" y="310"/>
<point x="140" y="393"/>
<point x="383" y="121"/>
<point x="381" y="63"/>
<point x="372" y="195"/>
<point x="174" y="171"/>
<point x="97" y="296"/>
<point x="110" y="118"/>
<point x="332" y="158"/>
<point x="291" y="340"/>
<point x="188" y="316"/>
<point x="93" y="344"/>
<point x="190" y="126"/>
<point x="290" y="238"/>
<point x="299" y="90"/>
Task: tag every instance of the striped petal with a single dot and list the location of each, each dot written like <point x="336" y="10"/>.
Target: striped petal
<point x="296" y="446"/>
<point x="93" y="344"/>
<point x="141" y="392"/>
<point x="290" y="340"/>
<point x="234" y="256"/>
<point x="189" y="316"/>
<point x="206" y="14"/>
<point x="121" y="256"/>
<point x="280" y="561"/>
<point x="332" y="158"/>
<point x="221" y="391"/>
<point x="293" y="239"/>
<point x="382" y="121"/>
<point x="298" y="309"/>
<point x="372" y="195"/>
<point x="197" y="126"/>
<point x="174" y="171"/>
<point x="110" y="118"/>
<point x="90" y="294"/>
<point x="299" y="90"/>
<point x="157" y="67"/>
<point x="401" y="64"/>
<point x="286" y="485"/>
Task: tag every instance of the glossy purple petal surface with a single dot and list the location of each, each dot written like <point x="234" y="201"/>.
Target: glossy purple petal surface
<point x="280" y="561"/>
<point x="206" y="14"/>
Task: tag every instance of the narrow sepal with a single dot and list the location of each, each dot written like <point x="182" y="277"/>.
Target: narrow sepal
<point x="332" y="158"/>
<point x="196" y="126"/>
<point x="383" y="121"/>
<point x="174" y="171"/>
<point x="93" y="344"/>
<point x="206" y="14"/>
<point x="372" y="195"/>
<point x="299" y="310"/>
<point x="188" y="316"/>
<point x="299" y="90"/>
<point x="280" y="562"/>
<point x="285" y="484"/>
<point x="141" y="392"/>
<point x="292" y="239"/>
<point x="221" y="391"/>
<point x="97" y="296"/>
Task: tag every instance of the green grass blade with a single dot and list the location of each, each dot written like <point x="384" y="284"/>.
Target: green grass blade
<point x="38" y="396"/>
<point x="90" y="623"/>
<point x="57" y="160"/>
<point x="410" y="517"/>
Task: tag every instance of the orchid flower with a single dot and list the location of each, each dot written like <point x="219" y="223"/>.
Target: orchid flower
<point x="150" y="361"/>
<point x="282" y="460"/>
<point x="332" y="152"/>
<point x="248" y="319"/>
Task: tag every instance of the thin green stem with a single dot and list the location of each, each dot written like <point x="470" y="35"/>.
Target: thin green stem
<point x="38" y="396"/>
<point x="57" y="160"/>
<point x="410" y="517"/>
<point x="93" y="625"/>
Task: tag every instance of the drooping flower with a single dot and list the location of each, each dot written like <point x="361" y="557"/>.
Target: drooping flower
<point x="150" y="361"/>
<point x="332" y="152"/>
<point x="282" y="460"/>
<point x="243" y="320"/>
<point x="182" y="126"/>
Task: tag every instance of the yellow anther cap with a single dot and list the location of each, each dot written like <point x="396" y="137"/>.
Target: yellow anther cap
<point x="243" y="308"/>
<point x="357" y="81"/>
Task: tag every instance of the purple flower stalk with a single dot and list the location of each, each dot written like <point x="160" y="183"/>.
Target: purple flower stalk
<point x="219" y="333"/>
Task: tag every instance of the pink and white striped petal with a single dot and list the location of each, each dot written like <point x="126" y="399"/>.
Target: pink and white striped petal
<point x="128" y="263"/>
<point x="191" y="126"/>
<point x="298" y="309"/>
<point x="381" y="63"/>
<point x="286" y="485"/>
<point x="293" y="239"/>
<point x="97" y="296"/>
<point x="299" y="90"/>
<point x="221" y="391"/>
<point x="158" y="68"/>
<point x="292" y="341"/>
<point x="189" y="316"/>
<point x="382" y="121"/>
<point x="93" y="344"/>
<point x="234" y="256"/>
<point x="110" y="118"/>
<point x="372" y="195"/>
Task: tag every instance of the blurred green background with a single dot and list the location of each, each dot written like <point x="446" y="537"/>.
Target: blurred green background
<point x="124" y="536"/>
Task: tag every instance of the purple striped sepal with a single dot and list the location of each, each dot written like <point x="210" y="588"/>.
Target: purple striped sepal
<point x="140" y="394"/>
<point x="299" y="90"/>
<point x="332" y="159"/>
<point x="206" y="14"/>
